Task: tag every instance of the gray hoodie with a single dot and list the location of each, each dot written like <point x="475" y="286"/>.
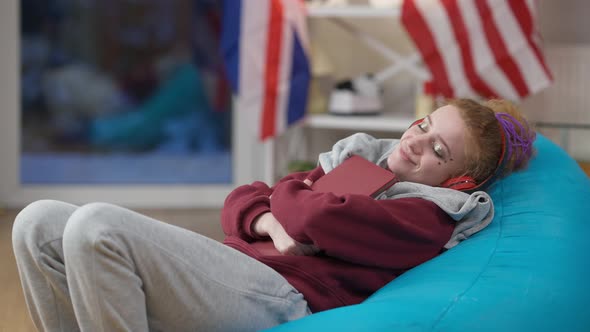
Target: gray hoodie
<point x="472" y="212"/>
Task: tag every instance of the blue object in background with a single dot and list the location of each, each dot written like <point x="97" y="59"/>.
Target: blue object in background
<point x="143" y="128"/>
<point x="138" y="98"/>
<point x="527" y="271"/>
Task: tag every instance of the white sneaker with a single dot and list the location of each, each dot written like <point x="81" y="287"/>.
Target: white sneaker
<point x="360" y="96"/>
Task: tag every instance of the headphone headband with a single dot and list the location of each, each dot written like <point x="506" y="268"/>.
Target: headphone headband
<point x="499" y="166"/>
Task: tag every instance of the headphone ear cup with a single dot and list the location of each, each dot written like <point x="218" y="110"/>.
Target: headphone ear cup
<point x="460" y="183"/>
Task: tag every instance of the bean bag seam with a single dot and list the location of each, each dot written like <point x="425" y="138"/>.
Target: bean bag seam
<point x="457" y="299"/>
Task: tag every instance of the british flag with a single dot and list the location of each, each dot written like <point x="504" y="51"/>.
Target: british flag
<point x="265" y="48"/>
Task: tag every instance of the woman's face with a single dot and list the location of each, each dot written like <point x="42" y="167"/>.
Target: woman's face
<point x="432" y="151"/>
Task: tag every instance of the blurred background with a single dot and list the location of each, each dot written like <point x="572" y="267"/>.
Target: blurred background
<point x="126" y="101"/>
<point x="123" y="92"/>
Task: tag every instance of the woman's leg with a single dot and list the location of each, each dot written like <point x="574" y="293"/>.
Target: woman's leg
<point x="37" y="243"/>
<point x="128" y="272"/>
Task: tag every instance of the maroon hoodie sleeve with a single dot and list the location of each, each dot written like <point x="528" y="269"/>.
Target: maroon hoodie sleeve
<point x="245" y="203"/>
<point x="397" y="234"/>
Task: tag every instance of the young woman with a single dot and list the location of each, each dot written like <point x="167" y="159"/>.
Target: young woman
<point x="100" y="267"/>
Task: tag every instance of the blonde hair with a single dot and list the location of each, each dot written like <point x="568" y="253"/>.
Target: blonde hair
<point x="484" y="134"/>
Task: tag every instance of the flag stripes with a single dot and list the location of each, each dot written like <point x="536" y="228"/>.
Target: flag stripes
<point x="265" y="48"/>
<point x="487" y="48"/>
<point x="272" y="69"/>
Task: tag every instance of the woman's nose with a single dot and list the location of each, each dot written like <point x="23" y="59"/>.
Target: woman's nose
<point x="416" y="144"/>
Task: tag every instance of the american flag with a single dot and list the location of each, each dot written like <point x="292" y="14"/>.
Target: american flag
<point x="488" y="48"/>
<point x="265" y="48"/>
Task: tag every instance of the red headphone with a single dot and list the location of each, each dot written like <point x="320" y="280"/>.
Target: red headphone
<point x="467" y="183"/>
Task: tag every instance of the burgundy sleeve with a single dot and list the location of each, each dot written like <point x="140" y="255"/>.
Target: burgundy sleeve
<point x="397" y="234"/>
<point x="245" y="203"/>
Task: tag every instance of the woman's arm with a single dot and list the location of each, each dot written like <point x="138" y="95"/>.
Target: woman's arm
<point x="242" y="206"/>
<point x="267" y="225"/>
<point x="246" y="203"/>
<point x="397" y="233"/>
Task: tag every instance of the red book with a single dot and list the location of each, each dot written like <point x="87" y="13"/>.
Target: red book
<point x="356" y="175"/>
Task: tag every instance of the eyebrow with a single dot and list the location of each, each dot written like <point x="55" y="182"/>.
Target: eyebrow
<point x="438" y="136"/>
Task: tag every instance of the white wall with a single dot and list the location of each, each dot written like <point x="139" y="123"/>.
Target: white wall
<point x="9" y="120"/>
<point x="565" y="28"/>
<point x="565" y="22"/>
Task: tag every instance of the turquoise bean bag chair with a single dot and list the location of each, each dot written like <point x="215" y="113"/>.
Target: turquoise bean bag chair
<point x="529" y="270"/>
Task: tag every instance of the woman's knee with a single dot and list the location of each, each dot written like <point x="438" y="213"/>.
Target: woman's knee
<point x="87" y="224"/>
<point x="40" y="221"/>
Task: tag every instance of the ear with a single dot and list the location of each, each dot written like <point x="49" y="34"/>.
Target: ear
<point x="461" y="183"/>
<point x="467" y="183"/>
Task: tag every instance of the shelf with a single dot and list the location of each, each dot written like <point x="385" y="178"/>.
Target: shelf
<point x="390" y="121"/>
<point x="358" y="11"/>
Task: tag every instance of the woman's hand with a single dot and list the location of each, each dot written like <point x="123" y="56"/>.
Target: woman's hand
<point x="268" y="225"/>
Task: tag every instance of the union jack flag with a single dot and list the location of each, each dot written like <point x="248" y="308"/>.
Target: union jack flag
<point x="265" y="48"/>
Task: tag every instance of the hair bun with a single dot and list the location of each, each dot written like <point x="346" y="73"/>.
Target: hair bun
<point x="519" y="135"/>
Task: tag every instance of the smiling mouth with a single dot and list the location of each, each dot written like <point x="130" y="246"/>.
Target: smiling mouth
<point x="405" y="156"/>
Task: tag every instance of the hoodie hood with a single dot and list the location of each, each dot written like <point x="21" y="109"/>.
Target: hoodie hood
<point x="472" y="212"/>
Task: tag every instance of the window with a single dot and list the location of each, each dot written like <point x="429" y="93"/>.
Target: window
<point x="123" y="92"/>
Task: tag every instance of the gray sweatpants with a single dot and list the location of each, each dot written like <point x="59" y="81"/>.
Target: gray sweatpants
<point x="101" y="267"/>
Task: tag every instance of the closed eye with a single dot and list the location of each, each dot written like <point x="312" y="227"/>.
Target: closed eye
<point x="423" y="126"/>
<point x="438" y="150"/>
<point x="439" y="147"/>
